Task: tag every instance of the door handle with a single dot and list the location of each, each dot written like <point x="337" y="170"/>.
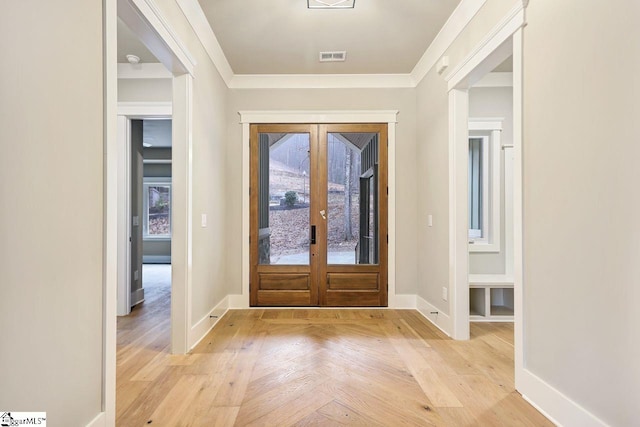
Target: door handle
<point x="313" y="234"/>
<point x="323" y="213"/>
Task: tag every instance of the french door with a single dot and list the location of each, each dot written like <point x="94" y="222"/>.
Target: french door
<point x="318" y="234"/>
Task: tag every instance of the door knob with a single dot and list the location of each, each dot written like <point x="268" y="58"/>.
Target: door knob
<point x="323" y="213"/>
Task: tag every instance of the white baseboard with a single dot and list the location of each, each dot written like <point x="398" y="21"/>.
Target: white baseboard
<point x="238" y="301"/>
<point x="554" y="405"/>
<point x="99" y="421"/>
<point x="440" y="320"/>
<point x="137" y="296"/>
<point x="204" y="325"/>
<point x="403" y="301"/>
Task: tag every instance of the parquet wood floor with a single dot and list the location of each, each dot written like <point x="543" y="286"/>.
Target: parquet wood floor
<point x="287" y="367"/>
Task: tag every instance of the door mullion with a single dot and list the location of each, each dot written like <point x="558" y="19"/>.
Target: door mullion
<point x="314" y="203"/>
<point x="321" y="197"/>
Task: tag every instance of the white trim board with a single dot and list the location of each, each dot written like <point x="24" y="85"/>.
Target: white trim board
<point x="434" y="315"/>
<point x="123" y="152"/>
<point x="318" y="116"/>
<point x="457" y="22"/>
<point x="323" y="116"/>
<point x="195" y="16"/>
<point x="477" y="64"/>
<point x="320" y="81"/>
<point x="110" y="220"/>
<point x="458" y="213"/>
<point x="206" y="324"/>
<point x="555" y="405"/>
<point x="135" y="110"/>
<point x="99" y="421"/>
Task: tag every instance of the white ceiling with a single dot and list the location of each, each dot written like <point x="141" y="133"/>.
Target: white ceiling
<point x="128" y="43"/>
<point x="505" y="67"/>
<point x="157" y="133"/>
<point x="284" y="37"/>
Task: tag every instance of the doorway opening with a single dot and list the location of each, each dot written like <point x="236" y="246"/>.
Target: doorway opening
<point x="504" y="42"/>
<point x="318" y="225"/>
<point x="147" y="221"/>
<point x="490" y="187"/>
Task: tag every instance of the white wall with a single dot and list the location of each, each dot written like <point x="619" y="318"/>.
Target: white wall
<point x="581" y="202"/>
<point x="331" y="99"/>
<point x="433" y="159"/>
<point x="495" y="102"/>
<point x="51" y="179"/>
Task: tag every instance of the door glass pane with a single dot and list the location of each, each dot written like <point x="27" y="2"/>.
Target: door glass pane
<point x="283" y="199"/>
<point x="352" y="172"/>
<point x="475" y="187"/>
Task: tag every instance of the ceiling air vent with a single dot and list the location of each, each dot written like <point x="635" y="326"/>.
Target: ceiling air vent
<point x="333" y="56"/>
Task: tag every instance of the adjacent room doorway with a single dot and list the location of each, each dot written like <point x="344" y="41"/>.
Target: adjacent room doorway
<point x="318" y="215"/>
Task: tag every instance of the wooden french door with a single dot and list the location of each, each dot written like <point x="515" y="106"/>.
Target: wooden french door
<point x="318" y="215"/>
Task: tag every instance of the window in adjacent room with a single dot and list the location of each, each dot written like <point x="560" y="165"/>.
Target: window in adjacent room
<point x="484" y="184"/>
<point x="157" y="208"/>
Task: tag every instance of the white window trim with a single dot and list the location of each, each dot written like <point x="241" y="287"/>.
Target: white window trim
<point x="491" y="129"/>
<point x="481" y="236"/>
<point x="149" y="182"/>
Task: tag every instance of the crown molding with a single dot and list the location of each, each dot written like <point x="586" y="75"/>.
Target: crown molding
<point x="457" y="22"/>
<point x="319" y="116"/>
<point x="143" y="71"/>
<point x="320" y="81"/>
<point x="508" y="25"/>
<point x="195" y="16"/>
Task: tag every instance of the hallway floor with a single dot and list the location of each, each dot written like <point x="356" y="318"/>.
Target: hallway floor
<point x="316" y="367"/>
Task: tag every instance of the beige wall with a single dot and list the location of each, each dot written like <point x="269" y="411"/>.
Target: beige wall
<point x="209" y="135"/>
<point x="331" y="99"/>
<point x="433" y="158"/>
<point x="581" y="202"/>
<point x="52" y="207"/>
<point x="495" y="102"/>
<point x="144" y="90"/>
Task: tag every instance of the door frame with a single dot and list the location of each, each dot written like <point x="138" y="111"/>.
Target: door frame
<point x="147" y="22"/>
<point x="318" y="271"/>
<point x="128" y="111"/>
<point x="504" y="40"/>
<point x="388" y="117"/>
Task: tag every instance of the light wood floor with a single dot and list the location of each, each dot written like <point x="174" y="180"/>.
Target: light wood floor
<point x="316" y="367"/>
